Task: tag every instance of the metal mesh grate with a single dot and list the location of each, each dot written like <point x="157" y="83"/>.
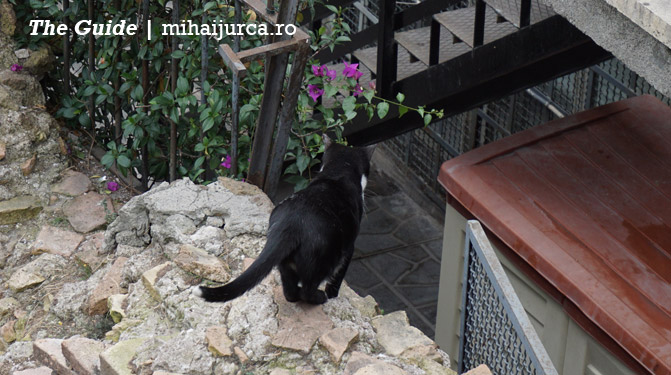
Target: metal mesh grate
<point x="490" y="336"/>
<point x="495" y="329"/>
<point x="605" y="83"/>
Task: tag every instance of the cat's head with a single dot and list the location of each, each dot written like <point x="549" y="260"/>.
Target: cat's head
<point x="341" y="156"/>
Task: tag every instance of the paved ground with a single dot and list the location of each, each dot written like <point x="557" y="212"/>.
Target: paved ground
<point x="397" y="258"/>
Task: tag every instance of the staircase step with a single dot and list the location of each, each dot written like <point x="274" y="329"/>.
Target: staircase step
<point x="510" y="10"/>
<point x="416" y="41"/>
<point x="461" y="23"/>
<point x="405" y="66"/>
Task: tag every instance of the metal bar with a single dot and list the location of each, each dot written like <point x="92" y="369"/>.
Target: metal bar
<point x="117" y="85"/>
<point x="477" y="239"/>
<point x="204" y="63"/>
<point x="173" y="85"/>
<point x="525" y="13"/>
<point x="434" y="42"/>
<point x="492" y="122"/>
<point x="275" y="71"/>
<point x="235" y="98"/>
<point x="366" y="12"/>
<point x="91" y="55"/>
<point x="589" y="89"/>
<point x="145" y="90"/>
<point x="619" y="85"/>
<point x="286" y="119"/>
<point x="66" y="50"/>
<point x="479" y="23"/>
<point x="386" y="49"/>
<point x="535" y="54"/>
<point x="547" y="102"/>
<point x="436" y="137"/>
<point x="271" y="49"/>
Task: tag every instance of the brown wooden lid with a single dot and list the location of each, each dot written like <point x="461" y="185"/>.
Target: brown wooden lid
<point x="586" y="201"/>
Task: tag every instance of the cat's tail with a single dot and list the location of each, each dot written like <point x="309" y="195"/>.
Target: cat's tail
<point x="273" y="253"/>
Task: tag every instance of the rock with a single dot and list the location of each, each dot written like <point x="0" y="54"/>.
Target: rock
<point x="362" y="364"/>
<point x="28" y="165"/>
<point x="35" y="371"/>
<point x="300" y="325"/>
<point x="337" y="340"/>
<point x="24" y="91"/>
<point x="22" y="53"/>
<point x="109" y="285"/>
<point x="3" y="150"/>
<point x="279" y="371"/>
<point x="366" y="305"/>
<point x="22" y="280"/>
<point x="88" y="212"/>
<point x="480" y="370"/>
<point x="49" y="353"/>
<point x="396" y="335"/>
<point x="73" y="184"/>
<point x="83" y="354"/>
<point x="56" y="241"/>
<point x="150" y="277"/>
<point x="19" y="209"/>
<point x="7" y="331"/>
<point x="115" y="359"/>
<point x="201" y="263"/>
<point x="40" y="61"/>
<point x="7" y="19"/>
<point x="7" y="305"/>
<point x="218" y="342"/>
<point x="115" y="306"/>
<point x="242" y="357"/>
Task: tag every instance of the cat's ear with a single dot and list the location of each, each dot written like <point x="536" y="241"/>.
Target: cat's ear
<point x="369" y="150"/>
<point x="327" y="141"/>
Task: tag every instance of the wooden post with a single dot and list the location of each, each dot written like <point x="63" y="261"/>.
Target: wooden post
<point x="275" y="72"/>
<point x="173" y="85"/>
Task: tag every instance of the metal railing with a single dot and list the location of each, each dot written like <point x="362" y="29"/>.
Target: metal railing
<point x="495" y="329"/>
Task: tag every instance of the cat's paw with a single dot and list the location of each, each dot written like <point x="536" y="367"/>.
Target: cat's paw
<point x="316" y="298"/>
<point x="332" y="291"/>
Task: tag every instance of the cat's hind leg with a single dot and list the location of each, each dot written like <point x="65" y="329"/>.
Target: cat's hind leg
<point x="335" y="281"/>
<point x="292" y="292"/>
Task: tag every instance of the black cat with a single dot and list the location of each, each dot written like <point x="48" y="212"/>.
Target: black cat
<point x="311" y="234"/>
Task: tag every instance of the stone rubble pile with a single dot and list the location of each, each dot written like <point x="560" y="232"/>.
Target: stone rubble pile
<point x="161" y="245"/>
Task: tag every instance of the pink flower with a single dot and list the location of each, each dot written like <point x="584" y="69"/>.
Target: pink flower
<point x="358" y="90"/>
<point x="112" y="186"/>
<point x="318" y="70"/>
<point x="351" y="70"/>
<point x="16" y="68"/>
<point x="314" y="92"/>
<point x="227" y="162"/>
<point x="371" y="84"/>
<point x="330" y="74"/>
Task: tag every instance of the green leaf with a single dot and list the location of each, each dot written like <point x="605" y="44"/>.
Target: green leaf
<point x="208" y="124"/>
<point x="349" y="103"/>
<point x="302" y="162"/>
<point x="420" y="110"/>
<point x="368" y="95"/>
<point x="400" y="97"/>
<point x="123" y="161"/>
<point x="107" y="159"/>
<point x="182" y="85"/>
<point x="89" y="90"/>
<point x="177" y="54"/>
<point x="329" y="91"/>
<point x="69" y="112"/>
<point x="209" y="5"/>
<point x="402" y="110"/>
<point x="199" y="162"/>
<point x="125" y="87"/>
<point x="137" y="93"/>
<point x="332" y="8"/>
<point x="382" y="109"/>
<point x="427" y="119"/>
